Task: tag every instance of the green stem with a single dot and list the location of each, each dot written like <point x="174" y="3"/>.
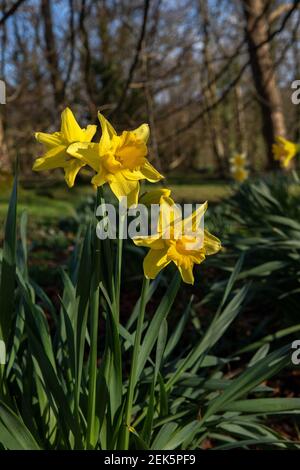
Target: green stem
<point x="94" y="321"/>
<point x="92" y="369"/>
<point x="134" y="364"/>
<point x="295" y="176"/>
<point x="119" y="264"/>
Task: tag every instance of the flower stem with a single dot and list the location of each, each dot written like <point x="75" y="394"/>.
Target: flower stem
<point x="295" y="176"/>
<point x="134" y="363"/>
<point x="119" y="264"/>
<point x="94" y="319"/>
<point x="92" y="369"/>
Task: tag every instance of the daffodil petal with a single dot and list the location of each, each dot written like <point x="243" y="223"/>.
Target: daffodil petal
<point x="211" y="243"/>
<point x="89" y="132"/>
<point x="153" y="241"/>
<point x="50" y="140"/>
<point x="154" y="262"/>
<point x="107" y="134"/>
<point x="170" y="215"/>
<point x="197" y="257"/>
<point x="87" y="152"/>
<point x="147" y="171"/>
<point x="150" y="173"/>
<point x="121" y="187"/>
<point x="54" y="158"/>
<point x="70" y="129"/>
<point x="154" y="197"/>
<point x="198" y="214"/>
<point x="71" y="171"/>
<point x="133" y="175"/>
<point x="99" y="179"/>
<point x="187" y="274"/>
<point x="142" y="132"/>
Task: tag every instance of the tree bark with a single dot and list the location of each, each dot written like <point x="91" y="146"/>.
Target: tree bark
<point x="211" y="91"/>
<point x="51" y="54"/>
<point x="263" y="72"/>
<point x="5" y="164"/>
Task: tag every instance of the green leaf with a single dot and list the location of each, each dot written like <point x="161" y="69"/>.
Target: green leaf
<point x="249" y="379"/>
<point x="179" y="436"/>
<point x="216" y="330"/>
<point x="155" y="324"/>
<point x="8" y="273"/>
<point x="175" y="337"/>
<point x="264" y="405"/>
<point x="164" y="435"/>
<point x="232" y="279"/>
<point x="13" y="433"/>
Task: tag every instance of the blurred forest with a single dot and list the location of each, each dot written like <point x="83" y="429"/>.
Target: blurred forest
<point x="212" y="77"/>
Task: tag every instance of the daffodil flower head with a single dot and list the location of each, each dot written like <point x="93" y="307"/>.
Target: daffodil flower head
<point x="284" y="151"/>
<point x="238" y="160"/>
<point x="181" y="241"/>
<point x="58" y="144"/>
<point x="119" y="160"/>
<point x="239" y="174"/>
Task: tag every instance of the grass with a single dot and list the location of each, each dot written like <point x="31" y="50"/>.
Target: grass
<point x="212" y="192"/>
<point x="59" y="202"/>
<point x="47" y="205"/>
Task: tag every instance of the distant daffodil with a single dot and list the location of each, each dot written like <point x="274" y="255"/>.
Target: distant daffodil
<point x="238" y="167"/>
<point x="284" y="151"/>
<point x="238" y="160"/>
<point x="239" y="174"/>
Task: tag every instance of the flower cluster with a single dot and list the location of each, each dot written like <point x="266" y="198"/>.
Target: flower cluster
<point x="121" y="161"/>
<point x="238" y="167"/>
<point x="284" y="151"/>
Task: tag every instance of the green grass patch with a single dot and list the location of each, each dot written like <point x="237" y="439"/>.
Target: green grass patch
<point x="43" y="205"/>
<point x="59" y="202"/>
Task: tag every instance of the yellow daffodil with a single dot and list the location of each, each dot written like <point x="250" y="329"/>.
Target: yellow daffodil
<point x="238" y="160"/>
<point x="239" y="174"/>
<point x="284" y="151"/>
<point x="119" y="160"/>
<point x="58" y="144"/>
<point x="183" y="246"/>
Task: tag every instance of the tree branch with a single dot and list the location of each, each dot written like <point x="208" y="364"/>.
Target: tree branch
<point x="11" y="11"/>
<point x="136" y="56"/>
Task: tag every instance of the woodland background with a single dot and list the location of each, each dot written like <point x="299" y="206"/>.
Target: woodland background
<point x="212" y="77"/>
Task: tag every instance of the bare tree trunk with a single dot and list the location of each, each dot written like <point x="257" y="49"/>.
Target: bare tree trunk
<point x="151" y="112"/>
<point x="240" y="117"/>
<point x="5" y="164"/>
<point x="4" y="157"/>
<point x="211" y="92"/>
<point x="86" y="59"/>
<point x="263" y="73"/>
<point x="296" y="56"/>
<point x="51" y="54"/>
